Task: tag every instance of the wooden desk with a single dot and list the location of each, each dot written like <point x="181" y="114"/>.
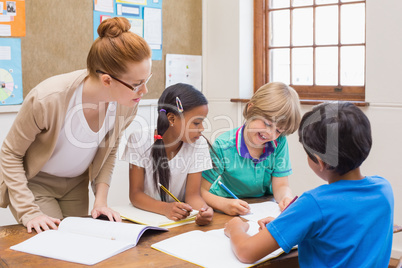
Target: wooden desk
<point x="140" y="256"/>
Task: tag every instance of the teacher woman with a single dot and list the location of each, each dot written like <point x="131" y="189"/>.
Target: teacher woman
<point x="67" y="132"/>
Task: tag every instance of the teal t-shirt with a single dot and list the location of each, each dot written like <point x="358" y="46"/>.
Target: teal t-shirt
<point x="241" y="173"/>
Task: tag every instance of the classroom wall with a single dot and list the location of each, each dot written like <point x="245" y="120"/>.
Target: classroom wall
<point x="226" y="48"/>
<point x="223" y="48"/>
<point x="58" y="42"/>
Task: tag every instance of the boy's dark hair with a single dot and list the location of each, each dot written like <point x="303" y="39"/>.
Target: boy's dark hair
<point x="339" y="133"/>
<point x="190" y="98"/>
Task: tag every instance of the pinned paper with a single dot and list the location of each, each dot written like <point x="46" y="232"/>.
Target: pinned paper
<point x="12" y="18"/>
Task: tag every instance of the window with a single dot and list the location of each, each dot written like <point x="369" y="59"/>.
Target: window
<point x="315" y="46"/>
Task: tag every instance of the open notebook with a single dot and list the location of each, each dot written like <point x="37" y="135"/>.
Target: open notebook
<point x="131" y="213"/>
<point x="85" y="240"/>
<point x="210" y="249"/>
<point x="262" y="210"/>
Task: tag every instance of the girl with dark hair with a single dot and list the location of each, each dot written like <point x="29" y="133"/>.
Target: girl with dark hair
<point x="174" y="156"/>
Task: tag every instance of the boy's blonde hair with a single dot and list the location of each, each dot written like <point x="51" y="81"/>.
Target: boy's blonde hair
<point x="277" y="103"/>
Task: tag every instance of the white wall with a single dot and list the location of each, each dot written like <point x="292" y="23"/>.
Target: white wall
<point x="224" y="46"/>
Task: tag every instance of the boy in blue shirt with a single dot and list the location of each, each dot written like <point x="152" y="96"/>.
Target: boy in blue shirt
<point x="345" y="223"/>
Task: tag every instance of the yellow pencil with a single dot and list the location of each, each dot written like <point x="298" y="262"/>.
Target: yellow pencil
<point x="169" y="193"/>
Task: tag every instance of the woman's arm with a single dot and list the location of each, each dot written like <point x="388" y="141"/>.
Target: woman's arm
<point x="226" y="205"/>
<point x="100" y="204"/>
<point x="174" y="211"/>
<point x="27" y="125"/>
<point x="282" y="192"/>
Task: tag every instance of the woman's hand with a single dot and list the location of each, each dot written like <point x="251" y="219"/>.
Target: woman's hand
<point x="204" y="215"/>
<point x="108" y="212"/>
<point x="42" y="222"/>
<point x="177" y="211"/>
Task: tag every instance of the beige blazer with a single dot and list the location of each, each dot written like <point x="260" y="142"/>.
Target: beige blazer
<point x="33" y="136"/>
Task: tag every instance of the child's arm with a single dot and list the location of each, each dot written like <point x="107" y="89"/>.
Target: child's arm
<point x="226" y="205"/>
<point x="249" y="249"/>
<point x="193" y="198"/>
<point x="281" y="190"/>
<point x="174" y="211"/>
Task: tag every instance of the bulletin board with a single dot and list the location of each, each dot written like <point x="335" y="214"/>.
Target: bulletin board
<point x="10" y="71"/>
<point x="60" y="33"/>
<point x="12" y="18"/>
<point x="145" y="18"/>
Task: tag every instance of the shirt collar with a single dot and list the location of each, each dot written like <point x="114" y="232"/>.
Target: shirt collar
<point x="242" y="149"/>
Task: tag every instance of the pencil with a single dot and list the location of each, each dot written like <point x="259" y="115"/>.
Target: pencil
<point x="294" y="199"/>
<point x="227" y="189"/>
<point x="169" y="193"/>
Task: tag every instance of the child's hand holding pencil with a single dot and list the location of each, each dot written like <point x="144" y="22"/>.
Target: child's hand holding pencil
<point x="236" y="207"/>
<point x="177" y="211"/>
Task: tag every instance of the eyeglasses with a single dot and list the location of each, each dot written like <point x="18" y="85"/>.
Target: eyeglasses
<point x="133" y="88"/>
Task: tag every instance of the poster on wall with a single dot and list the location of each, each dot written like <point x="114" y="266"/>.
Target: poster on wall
<point x="10" y="71"/>
<point x="145" y="17"/>
<point x="184" y="69"/>
<point x="12" y="18"/>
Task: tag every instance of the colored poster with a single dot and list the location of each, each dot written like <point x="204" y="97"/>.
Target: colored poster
<point x="10" y="71"/>
<point x="184" y="69"/>
<point x="148" y="26"/>
<point x="12" y="18"/>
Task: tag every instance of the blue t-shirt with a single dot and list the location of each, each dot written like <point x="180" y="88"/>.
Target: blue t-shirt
<point x="244" y="175"/>
<point x="342" y="224"/>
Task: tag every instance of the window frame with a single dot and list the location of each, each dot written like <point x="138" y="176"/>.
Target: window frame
<point x="307" y="93"/>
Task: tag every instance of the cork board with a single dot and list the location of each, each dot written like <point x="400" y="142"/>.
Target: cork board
<point x="59" y="35"/>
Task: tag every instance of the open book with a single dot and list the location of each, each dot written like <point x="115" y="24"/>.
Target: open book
<point x="84" y="240"/>
<point x="208" y="249"/>
<point x="131" y="213"/>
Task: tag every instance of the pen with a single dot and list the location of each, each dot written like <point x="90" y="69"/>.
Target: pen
<point x="227" y="189"/>
<point x="294" y="199"/>
<point x="169" y="193"/>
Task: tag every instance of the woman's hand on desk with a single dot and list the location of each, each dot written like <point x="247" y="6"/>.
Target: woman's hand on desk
<point x="204" y="215"/>
<point x="42" y="223"/>
<point x="108" y="212"/>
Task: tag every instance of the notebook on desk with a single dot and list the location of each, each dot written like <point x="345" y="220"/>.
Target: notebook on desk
<point x="85" y="240"/>
<point x="262" y="210"/>
<point x="210" y="249"/>
<point x="131" y="213"/>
